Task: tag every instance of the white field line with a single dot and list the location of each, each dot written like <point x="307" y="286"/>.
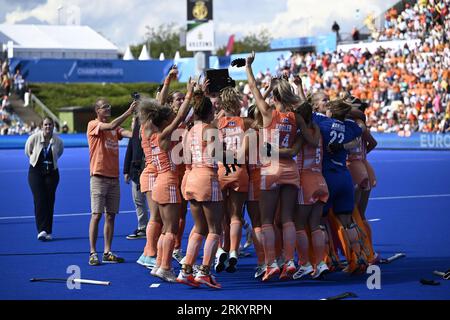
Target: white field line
<point x="130" y="211"/>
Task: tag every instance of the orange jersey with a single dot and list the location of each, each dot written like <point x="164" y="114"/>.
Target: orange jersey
<point x="254" y="156"/>
<point x="161" y="159"/>
<point x="198" y="148"/>
<point x="282" y="130"/>
<point x="310" y="158"/>
<point x="145" y="144"/>
<point x="232" y="131"/>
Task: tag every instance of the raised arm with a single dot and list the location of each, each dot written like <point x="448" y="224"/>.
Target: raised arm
<point x="173" y="74"/>
<point x="269" y="88"/>
<point x="182" y="112"/>
<point x="261" y="104"/>
<point x="119" y="120"/>
<point x="298" y="82"/>
<point x="311" y="139"/>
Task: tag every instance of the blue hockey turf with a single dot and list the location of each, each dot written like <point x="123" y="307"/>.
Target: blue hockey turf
<point x="410" y="212"/>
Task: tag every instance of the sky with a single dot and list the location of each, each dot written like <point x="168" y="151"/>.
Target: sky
<point x="124" y="22"/>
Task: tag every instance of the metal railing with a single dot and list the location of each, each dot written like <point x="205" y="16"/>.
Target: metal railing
<point x="46" y="110"/>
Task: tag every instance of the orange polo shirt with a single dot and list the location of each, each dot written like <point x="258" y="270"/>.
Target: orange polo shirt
<point x="103" y="150"/>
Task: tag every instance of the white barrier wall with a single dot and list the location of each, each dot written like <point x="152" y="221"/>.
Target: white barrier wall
<point x="373" y="46"/>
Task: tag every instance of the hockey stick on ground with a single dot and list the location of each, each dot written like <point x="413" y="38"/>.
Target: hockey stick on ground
<point x="392" y="258"/>
<point x="62" y="280"/>
<point x="443" y="275"/>
<point x="342" y="296"/>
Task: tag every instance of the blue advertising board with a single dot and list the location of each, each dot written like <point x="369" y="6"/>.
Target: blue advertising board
<point x="386" y="141"/>
<point x="72" y="71"/>
<point x="321" y="43"/>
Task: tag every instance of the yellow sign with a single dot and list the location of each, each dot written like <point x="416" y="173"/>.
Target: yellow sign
<point x="200" y="11"/>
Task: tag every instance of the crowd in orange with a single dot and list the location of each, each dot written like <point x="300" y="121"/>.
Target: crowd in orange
<point x="407" y="89"/>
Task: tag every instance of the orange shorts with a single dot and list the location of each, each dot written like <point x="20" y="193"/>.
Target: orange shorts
<point x="313" y="188"/>
<point x="183" y="183"/>
<point x="166" y="189"/>
<point x="236" y="180"/>
<point x="254" y="185"/>
<point x="371" y="172"/>
<point x="360" y="176"/>
<point x="202" y="184"/>
<point x="279" y="173"/>
<point x="147" y="181"/>
<point x="181" y="168"/>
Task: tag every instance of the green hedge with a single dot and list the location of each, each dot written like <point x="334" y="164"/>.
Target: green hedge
<point x="56" y="96"/>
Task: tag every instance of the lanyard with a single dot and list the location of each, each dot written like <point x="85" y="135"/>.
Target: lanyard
<point x="47" y="150"/>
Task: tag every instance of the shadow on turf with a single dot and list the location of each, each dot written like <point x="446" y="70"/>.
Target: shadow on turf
<point x="58" y="253"/>
<point x="397" y="272"/>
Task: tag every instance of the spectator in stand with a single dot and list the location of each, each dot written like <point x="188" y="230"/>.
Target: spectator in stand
<point x="5" y="82"/>
<point x="446" y="120"/>
<point x="335" y="28"/>
<point x="355" y="34"/>
<point x="19" y="83"/>
<point x="65" y="127"/>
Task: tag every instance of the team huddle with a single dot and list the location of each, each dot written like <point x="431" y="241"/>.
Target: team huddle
<point x="296" y="163"/>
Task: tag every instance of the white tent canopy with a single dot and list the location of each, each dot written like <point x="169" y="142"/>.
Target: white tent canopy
<point x="128" y="55"/>
<point x="57" y="41"/>
<point x="144" y="53"/>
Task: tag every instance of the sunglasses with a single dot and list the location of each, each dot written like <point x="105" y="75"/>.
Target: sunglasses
<point x="105" y="106"/>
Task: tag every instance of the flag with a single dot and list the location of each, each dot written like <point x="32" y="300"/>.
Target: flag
<point x="230" y="45"/>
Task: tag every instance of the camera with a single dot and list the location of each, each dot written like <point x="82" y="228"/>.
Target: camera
<point x="219" y="79"/>
<point x="135" y="96"/>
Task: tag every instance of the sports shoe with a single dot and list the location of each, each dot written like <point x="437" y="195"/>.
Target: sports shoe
<point x="271" y="270"/>
<point x="48" y="237"/>
<point x="288" y="270"/>
<point x="150" y="261"/>
<point x="208" y="279"/>
<point x="232" y="262"/>
<point x="260" y="269"/>
<point x="166" y="275"/>
<point x="221" y="257"/>
<point x="178" y="255"/>
<point x="137" y="234"/>
<point x="42" y="236"/>
<point x="112" y="258"/>
<point x="187" y="278"/>
<point x="93" y="259"/>
<point x="141" y="260"/>
<point x="280" y="262"/>
<point x="154" y="271"/>
<point x="321" y="269"/>
<point x="303" y="271"/>
<point x="195" y="269"/>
